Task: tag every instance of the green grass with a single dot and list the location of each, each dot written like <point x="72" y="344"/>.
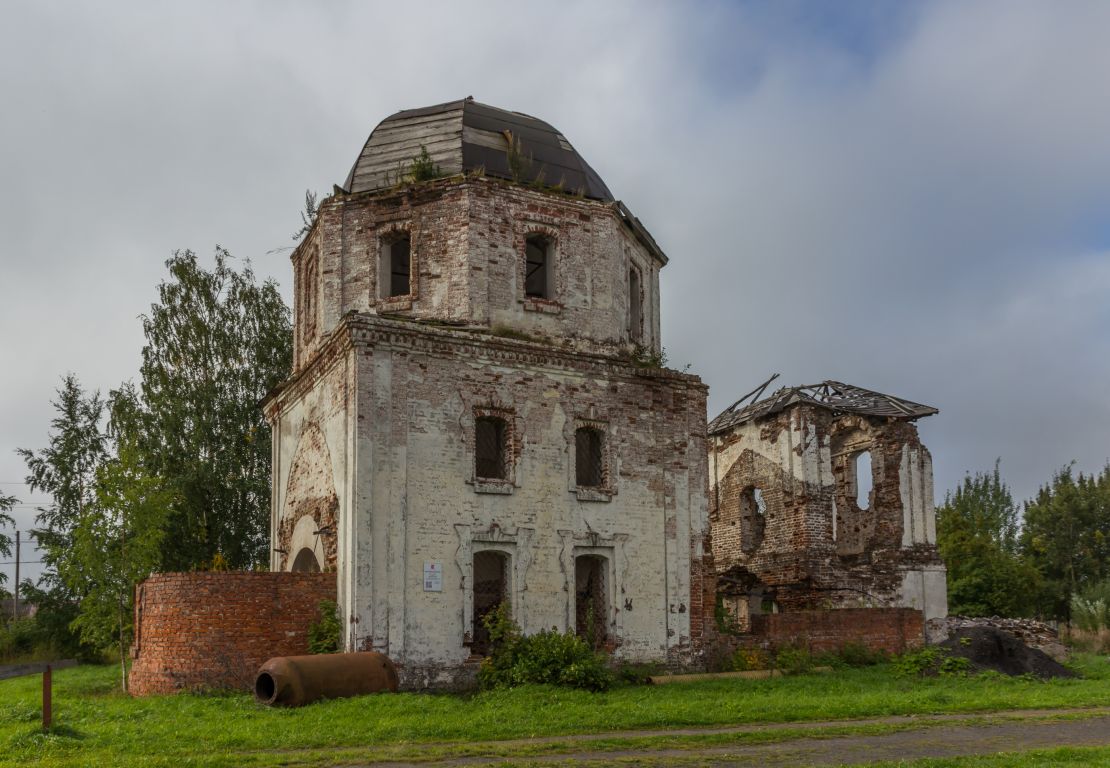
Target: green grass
<point x="96" y="725"/>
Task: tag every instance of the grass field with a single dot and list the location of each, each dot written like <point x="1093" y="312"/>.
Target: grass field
<point x="97" y="725"/>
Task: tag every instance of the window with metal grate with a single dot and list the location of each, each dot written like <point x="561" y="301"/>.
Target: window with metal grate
<point x="490" y="448"/>
<point x="589" y="459"/>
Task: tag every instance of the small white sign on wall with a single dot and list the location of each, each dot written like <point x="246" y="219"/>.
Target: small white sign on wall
<point x="433" y="576"/>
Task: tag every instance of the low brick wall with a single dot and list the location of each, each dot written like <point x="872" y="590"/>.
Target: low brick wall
<point x="213" y="630"/>
<point x="880" y="629"/>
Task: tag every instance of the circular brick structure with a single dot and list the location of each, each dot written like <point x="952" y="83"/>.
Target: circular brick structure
<point x="214" y="630"/>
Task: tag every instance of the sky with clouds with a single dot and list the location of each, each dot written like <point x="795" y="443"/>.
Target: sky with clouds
<point x="912" y="197"/>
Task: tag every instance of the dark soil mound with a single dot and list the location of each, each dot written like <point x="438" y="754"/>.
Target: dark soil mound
<point x="991" y="648"/>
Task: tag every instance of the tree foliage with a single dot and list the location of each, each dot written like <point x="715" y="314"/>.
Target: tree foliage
<point x="170" y="474"/>
<point x="116" y="544"/>
<point x="6" y="520"/>
<point x="1066" y="535"/>
<point x="977" y="535"/>
<point x="216" y="342"/>
<point x="65" y="470"/>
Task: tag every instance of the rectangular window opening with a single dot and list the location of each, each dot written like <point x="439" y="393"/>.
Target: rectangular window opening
<point x="395" y="270"/>
<point x="635" y="306"/>
<point x="490" y="447"/>
<point x="589" y="458"/>
<point x="537" y="267"/>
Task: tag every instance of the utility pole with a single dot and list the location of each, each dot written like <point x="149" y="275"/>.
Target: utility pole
<point x="15" y="591"/>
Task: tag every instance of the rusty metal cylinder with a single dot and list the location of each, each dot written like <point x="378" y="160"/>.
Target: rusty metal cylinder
<point x="293" y="681"/>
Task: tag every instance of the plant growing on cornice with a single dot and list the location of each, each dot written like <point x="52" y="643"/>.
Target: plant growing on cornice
<point x="520" y="165"/>
<point x="422" y="167"/>
<point x="645" y="357"/>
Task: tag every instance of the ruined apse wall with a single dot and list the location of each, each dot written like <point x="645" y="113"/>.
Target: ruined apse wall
<point x="419" y="391"/>
<point x="214" y="630"/>
<point x="813" y="546"/>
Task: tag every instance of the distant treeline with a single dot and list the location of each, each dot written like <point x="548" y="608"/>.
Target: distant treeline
<point x="1043" y="561"/>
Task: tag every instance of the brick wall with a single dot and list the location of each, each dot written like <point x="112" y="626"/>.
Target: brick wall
<point x="879" y="629"/>
<point x="213" y="630"/>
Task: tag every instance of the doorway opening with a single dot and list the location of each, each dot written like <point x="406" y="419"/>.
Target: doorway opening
<point x="491" y="589"/>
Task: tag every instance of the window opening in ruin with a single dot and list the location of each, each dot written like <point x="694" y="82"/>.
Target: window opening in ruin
<point x="591" y="601"/>
<point x="490" y="448"/>
<point x="491" y="588"/>
<point x="537" y="266"/>
<point x="306" y="562"/>
<point x="589" y="457"/>
<point x="635" y="306"/>
<point x="309" y="293"/>
<point x="864" y="479"/>
<point x="753" y="519"/>
<point x="395" y="270"/>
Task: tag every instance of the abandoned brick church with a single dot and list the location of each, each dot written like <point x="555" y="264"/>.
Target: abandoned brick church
<point x="478" y="414"/>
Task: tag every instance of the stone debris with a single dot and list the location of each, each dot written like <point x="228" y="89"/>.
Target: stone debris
<point x="1035" y="634"/>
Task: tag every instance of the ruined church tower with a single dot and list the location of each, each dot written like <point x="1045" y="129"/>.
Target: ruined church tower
<point x="477" y="413"/>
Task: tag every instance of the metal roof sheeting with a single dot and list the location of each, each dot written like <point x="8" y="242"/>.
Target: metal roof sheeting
<point x="462" y="136"/>
<point x="832" y="395"/>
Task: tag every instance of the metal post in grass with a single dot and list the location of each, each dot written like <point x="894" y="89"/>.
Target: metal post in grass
<point x="47" y="704"/>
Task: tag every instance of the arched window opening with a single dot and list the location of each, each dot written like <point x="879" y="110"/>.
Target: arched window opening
<point x="306" y="562"/>
<point x="395" y="270"/>
<point x="591" y="599"/>
<point x="538" y="266"/>
<point x="753" y="519"/>
<point x="865" y="480"/>
<point x="589" y="458"/>
<point x="490" y="449"/>
<point x="491" y="589"/>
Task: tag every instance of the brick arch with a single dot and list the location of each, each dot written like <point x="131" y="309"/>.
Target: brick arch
<point x="310" y="491"/>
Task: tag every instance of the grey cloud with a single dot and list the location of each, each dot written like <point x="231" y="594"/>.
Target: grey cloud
<point x="908" y="218"/>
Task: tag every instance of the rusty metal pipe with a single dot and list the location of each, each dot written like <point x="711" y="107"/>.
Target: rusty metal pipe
<point x="293" y="681"/>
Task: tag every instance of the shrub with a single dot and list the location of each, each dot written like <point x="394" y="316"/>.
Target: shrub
<point x="931" y="661"/>
<point x="859" y="655"/>
<point x="918" y="663"/>
<point x="638" y="674"/>
<point x="793" y="660"/>
<point x="323" y="634"/>
<point x="955" y="666"/>
<point x="1090" y="609"/>
<point x="19" y="638"/>
<point x="547" y="657"/>
<point x="745" y="659"/>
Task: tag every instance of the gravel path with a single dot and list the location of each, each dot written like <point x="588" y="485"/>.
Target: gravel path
<point x="938" y="736"/>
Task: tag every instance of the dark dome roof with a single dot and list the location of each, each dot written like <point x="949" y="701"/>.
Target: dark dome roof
<point x="465" y="136"/>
